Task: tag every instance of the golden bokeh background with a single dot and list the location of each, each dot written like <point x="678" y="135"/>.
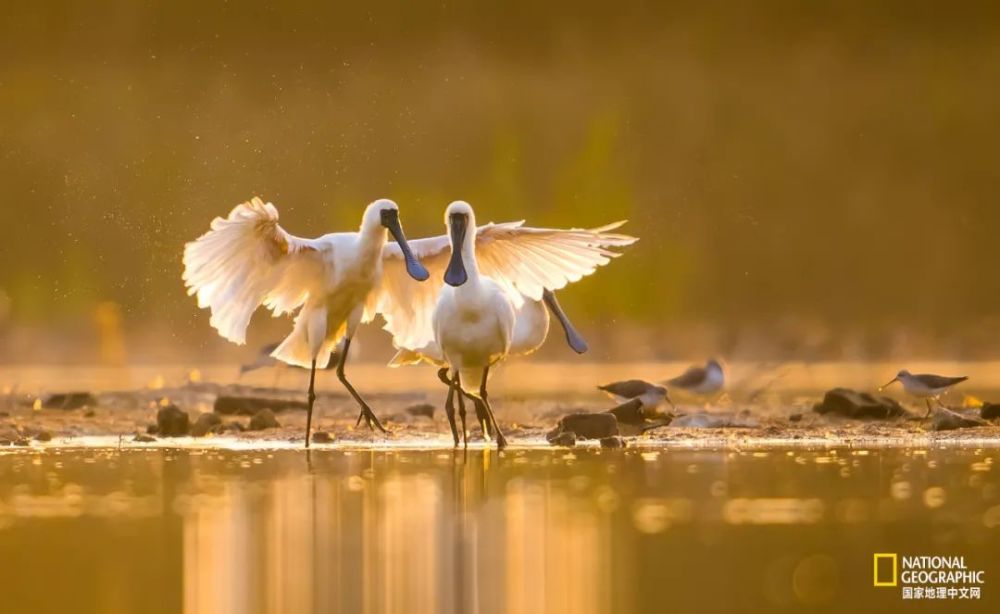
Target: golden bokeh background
<point x="810" y="180"/>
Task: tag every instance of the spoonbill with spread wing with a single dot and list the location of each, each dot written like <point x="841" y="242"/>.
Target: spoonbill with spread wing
<point x="469" y="321"/>
<point x="333" y="282"/>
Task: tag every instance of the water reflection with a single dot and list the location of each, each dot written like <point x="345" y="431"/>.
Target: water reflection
<point x="431" y="531"/>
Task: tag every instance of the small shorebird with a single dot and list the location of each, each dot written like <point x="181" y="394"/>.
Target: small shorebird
<point x="492" y="272"/>
<point x="650" y="395"/>
<point x="332" y="283"/>
<point x="702" y="381"/>
<point x="925" y="386"/>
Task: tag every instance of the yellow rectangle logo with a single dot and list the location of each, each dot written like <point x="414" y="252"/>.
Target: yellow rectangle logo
<point x="885" y="557"/>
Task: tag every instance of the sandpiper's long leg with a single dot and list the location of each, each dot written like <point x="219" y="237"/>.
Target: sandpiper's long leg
<point x="573" y="338"/>
<point x="457" y="383"/>
<point x="928" y="402"/>
<point x="312" y="400"/>
<point x="501" y="440"/>
<point x="449" y="404"/>
<point x="366" y="411"/>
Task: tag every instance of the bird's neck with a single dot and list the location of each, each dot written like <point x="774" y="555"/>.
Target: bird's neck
<point x="469" y="255"/>
<point x="372" y="240"/>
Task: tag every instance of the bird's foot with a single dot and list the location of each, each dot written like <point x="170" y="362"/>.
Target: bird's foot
<point x="371" y="419"/>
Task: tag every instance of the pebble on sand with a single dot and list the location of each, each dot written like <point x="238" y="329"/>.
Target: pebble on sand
<point x="248" y="406"/>
<point x="172" y="422"/>
<point x="425" y="410"/>
<point x="263" y="419"/>
<point x="322" y="437"/>
<point x="144" y="438"/>
<point x="566" y="439"/>
<point x="990" y="411"/>
<point x="612" y="442"/>
<point x="69" y="400"/>
<point x="208" y="422"/>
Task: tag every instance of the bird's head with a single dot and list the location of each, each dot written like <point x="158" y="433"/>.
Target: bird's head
<point x="903" y="374"/>
<point x="384" y="213"/>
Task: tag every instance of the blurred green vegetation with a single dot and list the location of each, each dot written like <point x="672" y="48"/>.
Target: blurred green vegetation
<point x="834" y="163"/>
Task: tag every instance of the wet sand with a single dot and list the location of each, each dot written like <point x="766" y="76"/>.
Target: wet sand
<point x="779" y="415"/>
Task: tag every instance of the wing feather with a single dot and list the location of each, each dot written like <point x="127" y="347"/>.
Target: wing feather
<point x="523" y="261"/>
<point x="247" y="260"/>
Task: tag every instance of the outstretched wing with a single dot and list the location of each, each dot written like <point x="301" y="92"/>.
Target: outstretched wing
<point x="247" y="260"/>
<point x="524" y="261"/>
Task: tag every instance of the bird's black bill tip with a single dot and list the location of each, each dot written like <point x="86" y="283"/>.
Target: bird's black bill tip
<point x="456" y="275"/>
<point x="390" y="219"/>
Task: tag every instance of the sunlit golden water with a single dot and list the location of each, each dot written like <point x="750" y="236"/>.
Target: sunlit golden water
<point x="440" y="531"/>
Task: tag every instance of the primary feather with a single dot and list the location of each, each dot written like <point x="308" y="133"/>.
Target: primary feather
<point x="247" y="260"/>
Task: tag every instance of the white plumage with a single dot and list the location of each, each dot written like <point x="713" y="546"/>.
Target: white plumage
<point x="247" y="260"/>
<point x="522" y="261"/>
<point x="490" y="306"/>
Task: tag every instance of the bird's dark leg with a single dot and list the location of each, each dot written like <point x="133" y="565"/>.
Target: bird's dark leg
<point x="484" y="418"/>
<point x="366" y="411"/>
<point x="449" y="404"/>
<point x="573" y="338"/>
<point x="312" y="400"/>
<point x="501" y="440"/>
<point x="457" y="383"/>
<point x="928" y="402"/>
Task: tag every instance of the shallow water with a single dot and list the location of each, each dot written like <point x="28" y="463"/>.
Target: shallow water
<point x="219" y="531"/>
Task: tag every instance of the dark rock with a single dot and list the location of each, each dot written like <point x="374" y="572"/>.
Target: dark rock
<point x="566" y="439"/>
<point x="990" y="411"/>
<point x="248" y="406"/>
<point x="612" y="442"/>
<point x="854" y="404"/>
<point x="795" y="418"/>
<point x="4" y="414"/>
<point x="263" y="419"/>
<point x="424" y="410"/>
<point x="89" y="413"/>
<point x="69" y="400"/>
<point x="21" y="442"/>
<point x="43" y="436"/>
<point x="142" y="438"/>
<point x="172" y="422"/>
<point x="587" y="426"/>
<point x="322" y="437"/>
<point x="947" y="420"/>
<point x="629" y="412"/>
<point x="206" y="423"/>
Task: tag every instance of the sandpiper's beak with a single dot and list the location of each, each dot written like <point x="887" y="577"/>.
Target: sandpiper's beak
<point x="455" y="275"/>
<point x="390" y="219"/>
<point x="887" y="384"/>
<point x="666" y="397"/>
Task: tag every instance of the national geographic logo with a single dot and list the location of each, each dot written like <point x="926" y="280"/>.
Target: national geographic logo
<point x="928" y="577"/>
<point x="886" y="567"/>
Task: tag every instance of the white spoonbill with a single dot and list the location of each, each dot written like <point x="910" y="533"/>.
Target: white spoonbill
<point x="492" y="271"/>
<point x="334" y="282"/>
<point x="531" y="328"/>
